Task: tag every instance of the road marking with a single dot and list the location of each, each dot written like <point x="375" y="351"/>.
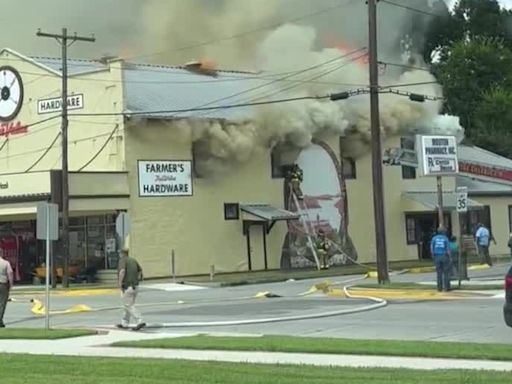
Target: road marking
<point x="170" y="287"/>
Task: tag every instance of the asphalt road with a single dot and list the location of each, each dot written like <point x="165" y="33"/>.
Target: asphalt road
<point x="469" y="319"/>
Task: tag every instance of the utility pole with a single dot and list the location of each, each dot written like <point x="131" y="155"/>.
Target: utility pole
<point x="440" y="214"/>
<point x="378" y="190"/>
<point x="65" y="41"/>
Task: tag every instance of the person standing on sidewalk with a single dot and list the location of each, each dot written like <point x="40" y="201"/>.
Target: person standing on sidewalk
<point x="129" y="275"/>
<point x="6" y="283"/>
<point x="440" y="249"/>
<point x="483" y="239"/>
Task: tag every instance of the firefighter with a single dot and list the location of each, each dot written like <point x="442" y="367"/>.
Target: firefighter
<point x="322" y="246"/>
<point x="295" y="177"/>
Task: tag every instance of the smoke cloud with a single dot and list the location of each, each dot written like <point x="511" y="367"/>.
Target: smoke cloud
<point x="175" y="31"/>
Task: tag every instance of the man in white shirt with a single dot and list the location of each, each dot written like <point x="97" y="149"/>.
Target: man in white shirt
<point x="483" y="239"/>
<point x="6" y="283"/>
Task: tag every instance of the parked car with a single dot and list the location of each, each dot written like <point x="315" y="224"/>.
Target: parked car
<point x="507" y="308"/>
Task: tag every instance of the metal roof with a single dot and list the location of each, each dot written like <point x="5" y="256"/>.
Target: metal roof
<point x="155" y="88"/>
<point x="268" y="212"/>
<point x="75" y="66"/>
<point x="473" y="154"/>
<point x="429" y="200"/>
<point x="163" y="88"/>
<point x="481" y="187"/>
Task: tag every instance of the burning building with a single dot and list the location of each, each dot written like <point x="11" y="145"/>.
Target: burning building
<point x="200" y="167"/>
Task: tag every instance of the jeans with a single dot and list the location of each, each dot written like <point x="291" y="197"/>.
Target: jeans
<point x="443" y="269"/>
<point x="483" y="252"/>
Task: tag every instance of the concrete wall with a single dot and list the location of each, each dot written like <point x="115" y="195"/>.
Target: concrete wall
<point x="195" y="226"/>
<point x="360" y="202"/>
<point x="499" y="221"/>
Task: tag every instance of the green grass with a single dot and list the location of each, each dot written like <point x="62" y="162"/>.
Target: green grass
<point x="34" y="333"/>
<point x="333" y="346"/>
<point x="464" y="287"/>
<point x="241" y="278"/>
<point x="18" y="369"/>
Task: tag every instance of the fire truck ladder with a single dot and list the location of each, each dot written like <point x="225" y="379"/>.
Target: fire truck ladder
<point x="302" y="215"/>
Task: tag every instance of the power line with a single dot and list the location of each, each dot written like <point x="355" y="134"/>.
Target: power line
<point x="409" y="8"/>
<point x="44" y="154"/>
<point x="100" y="150"/>
<point x="225" y="79"/>
<point x="409" y="84"/>
<point x="245" y="33"/>
<point x="385" y="63"/>
<point x="325" y="73"/>
<point x="285" y="77"/>
<point x="89" y="138"/>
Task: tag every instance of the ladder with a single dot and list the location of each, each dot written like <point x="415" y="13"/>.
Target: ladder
<point x="338" y="247"/>
<point x="304" y="223"/>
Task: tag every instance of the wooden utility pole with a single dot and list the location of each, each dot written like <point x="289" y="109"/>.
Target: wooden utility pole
<point x="440" y="214"/>
<point x="65" y="41"/>
<point x="378" y="190"/>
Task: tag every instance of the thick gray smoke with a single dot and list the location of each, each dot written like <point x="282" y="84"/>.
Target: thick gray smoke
<point x="291" y="47"/>
<point x="175" y="31"/>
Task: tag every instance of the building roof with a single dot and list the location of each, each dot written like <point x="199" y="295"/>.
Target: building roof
<point x="166" y="88"/>
<point x="477" y="155"/>
<point x="483" y="187"/>
<point x="429" y="200"/>
<point x="75" y="66"/>
<point x="156" y="88"/>
<point x="268" y="212"/>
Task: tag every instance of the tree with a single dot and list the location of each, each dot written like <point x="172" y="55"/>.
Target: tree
<point x="493" y="121"/>
<point x="481" y="18"/>
<point x="471" y="19"/>
<point x="440" y="32"/>
<point x="468" y="70"/>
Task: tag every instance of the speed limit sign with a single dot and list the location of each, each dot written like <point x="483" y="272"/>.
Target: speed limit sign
<point x="462" y="199"/>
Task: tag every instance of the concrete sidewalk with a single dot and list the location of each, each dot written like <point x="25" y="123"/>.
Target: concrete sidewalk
<point x="98" y="346"/>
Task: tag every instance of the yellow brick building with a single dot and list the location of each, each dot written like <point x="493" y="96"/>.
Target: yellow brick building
<point x="122" y="158"/>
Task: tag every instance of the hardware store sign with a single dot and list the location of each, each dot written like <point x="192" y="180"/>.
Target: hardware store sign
<point x="159" y="178"/>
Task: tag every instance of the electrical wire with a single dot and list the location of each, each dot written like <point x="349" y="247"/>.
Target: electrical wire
<point x="325" y="73"/>
<point x="44" y="154"/>
<point x="311" y="68"/>
<point x="385" y="63"/>
<point x="225" y="78"/>
<point x="408" y="84"/>
<point x="100" y="150"/>
<point x="409" y="8"/>
<point x="196" y="109"/>
<point x="4" y="144"/>
<point x="245" y="33"/>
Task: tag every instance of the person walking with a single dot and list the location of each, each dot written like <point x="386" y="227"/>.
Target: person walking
<point x="454" y="257"/>
<point x="440" y="250"/>
<point x="6" y="283"/>
<point x="129" y="276"/>
<point x="483" y="238"/>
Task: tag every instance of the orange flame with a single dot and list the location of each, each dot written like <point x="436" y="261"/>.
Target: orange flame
<point x="345" y="48"/>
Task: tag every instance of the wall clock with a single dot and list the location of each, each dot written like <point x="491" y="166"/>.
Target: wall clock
<point x="11" y="93"/>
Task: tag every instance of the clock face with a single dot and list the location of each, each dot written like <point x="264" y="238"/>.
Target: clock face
<point x="11" y="93"/>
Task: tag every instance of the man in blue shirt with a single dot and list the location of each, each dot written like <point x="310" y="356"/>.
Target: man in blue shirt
<point x="440" y="250"/>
